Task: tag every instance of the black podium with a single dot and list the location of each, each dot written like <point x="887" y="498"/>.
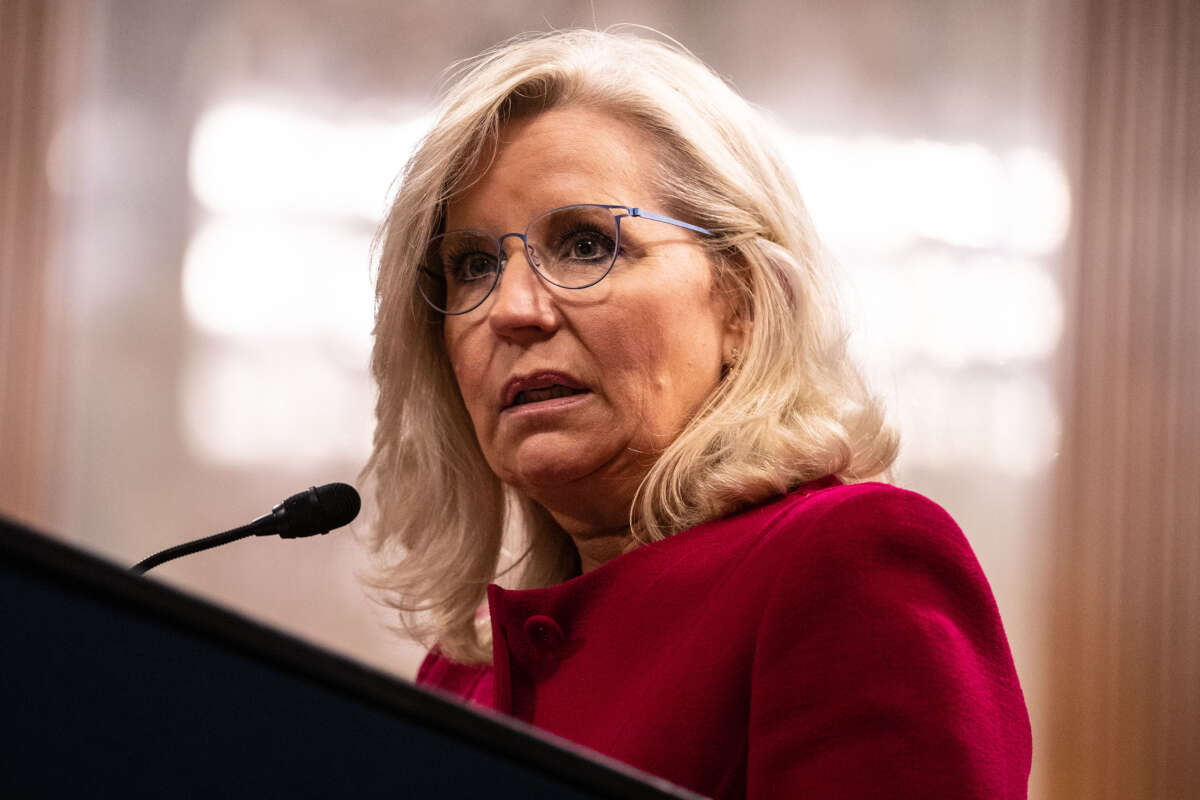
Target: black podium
<point x="113" y="685"/>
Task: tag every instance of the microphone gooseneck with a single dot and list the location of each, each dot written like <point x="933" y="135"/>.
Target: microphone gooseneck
<point x="318" y="509"/>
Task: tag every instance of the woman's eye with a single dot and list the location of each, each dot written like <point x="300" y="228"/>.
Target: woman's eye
<point x="588" y="246"/>
<point x="471" y="267"/>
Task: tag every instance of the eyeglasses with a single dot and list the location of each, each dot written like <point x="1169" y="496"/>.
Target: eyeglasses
<point x="573" y="247"/>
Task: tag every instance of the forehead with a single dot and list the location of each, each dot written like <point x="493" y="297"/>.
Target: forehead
<point x="556" y="158"/>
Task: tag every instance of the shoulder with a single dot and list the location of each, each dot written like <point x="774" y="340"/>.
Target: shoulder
<point x="827" y="531"/>
<point x="879" y="630"/>
<point x="850" y="569"/>
<point x="866" y="525"/>
<point x="862" y="507"/>
<point x="873" y="546"/>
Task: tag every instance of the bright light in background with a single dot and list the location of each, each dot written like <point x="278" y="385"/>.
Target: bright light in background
<point x="1006" y="424"/>
<point x="253" y="158"/>
<point x="277" y="283"/>
<point x="877" y="194"/>
<point x="987" y="310"/>
<point x="941" y="248"/>
<point x="278" y="280"/>
<point x="846" y="188"/>
<point x="274" y="406"/>
<point x="1038" y="199"/>
<point x="950" y="193"/>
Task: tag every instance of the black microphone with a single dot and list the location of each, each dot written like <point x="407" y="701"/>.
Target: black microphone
<point x="318" y="509"/>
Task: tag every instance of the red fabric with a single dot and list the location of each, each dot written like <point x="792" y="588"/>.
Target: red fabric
<point x="840" y="642"/>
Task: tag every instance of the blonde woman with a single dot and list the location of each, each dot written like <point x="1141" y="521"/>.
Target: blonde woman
<point x="605" y="345"/>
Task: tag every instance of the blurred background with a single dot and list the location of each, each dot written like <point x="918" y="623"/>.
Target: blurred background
<point x="190" y="191"/>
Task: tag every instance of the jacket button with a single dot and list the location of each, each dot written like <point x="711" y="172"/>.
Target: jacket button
<point x="543" y="632"/>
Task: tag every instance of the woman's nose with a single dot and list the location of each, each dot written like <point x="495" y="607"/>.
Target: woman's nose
<point x="521" y="305"/>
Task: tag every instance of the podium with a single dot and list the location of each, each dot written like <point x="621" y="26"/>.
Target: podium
<point x="115" y="685"/>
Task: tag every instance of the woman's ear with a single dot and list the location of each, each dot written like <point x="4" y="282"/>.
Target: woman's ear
<point x="733" y="345"/>
<point x="733" y="296"/>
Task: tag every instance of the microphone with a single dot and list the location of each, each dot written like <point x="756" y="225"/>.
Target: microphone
<point x="318" y="509"/>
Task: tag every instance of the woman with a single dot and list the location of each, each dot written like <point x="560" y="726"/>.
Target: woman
<point x="604" y="337"/>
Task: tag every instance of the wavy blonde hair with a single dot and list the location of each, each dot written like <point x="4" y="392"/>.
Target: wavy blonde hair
<point x="792" y="409"/>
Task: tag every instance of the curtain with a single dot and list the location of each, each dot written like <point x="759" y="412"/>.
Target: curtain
<point x="1125" y="603"/>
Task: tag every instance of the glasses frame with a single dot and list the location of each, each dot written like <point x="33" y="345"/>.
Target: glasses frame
<point x="531" y="260"/>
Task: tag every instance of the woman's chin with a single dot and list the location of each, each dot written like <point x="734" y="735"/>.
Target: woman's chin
<point x="551" y="460"/>
<point x="550" y="467"/>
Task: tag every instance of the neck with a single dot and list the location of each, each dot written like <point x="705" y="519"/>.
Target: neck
<point x="596" y="544"/>
<point x="595" y="550"/>
<point x="596" y="519"/>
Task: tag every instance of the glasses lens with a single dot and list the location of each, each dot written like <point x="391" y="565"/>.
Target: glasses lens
<point x="574" y="247"/>
<point x="460" y="270"/>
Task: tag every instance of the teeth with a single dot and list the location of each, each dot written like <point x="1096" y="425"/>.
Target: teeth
<point x="548" y="393"/>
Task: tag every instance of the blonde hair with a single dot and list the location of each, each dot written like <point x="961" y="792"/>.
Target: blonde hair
<point x="792" y="409"/>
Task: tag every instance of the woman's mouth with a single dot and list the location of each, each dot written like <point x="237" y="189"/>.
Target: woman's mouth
<point x="541" y="387"/>
<point x="549" y="393"/>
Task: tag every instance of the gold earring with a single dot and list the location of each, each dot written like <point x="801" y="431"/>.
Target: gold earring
<point x="731" y="363"/>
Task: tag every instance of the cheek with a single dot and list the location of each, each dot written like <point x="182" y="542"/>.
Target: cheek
<point x="468" y="366"/>
<point x="688" y="339"/>
<point x="668" y="357"/>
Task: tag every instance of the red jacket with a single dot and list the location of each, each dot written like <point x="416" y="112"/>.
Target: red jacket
<point x="841" y="641"/>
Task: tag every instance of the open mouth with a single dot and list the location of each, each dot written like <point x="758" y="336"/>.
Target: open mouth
<point x="543" y="386"/>
<point x="546" y="393"/>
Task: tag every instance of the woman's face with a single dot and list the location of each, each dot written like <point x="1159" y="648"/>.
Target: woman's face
<point x="637" y="353"/>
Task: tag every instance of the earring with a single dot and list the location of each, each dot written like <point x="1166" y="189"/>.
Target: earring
<point x="735" y="358"/>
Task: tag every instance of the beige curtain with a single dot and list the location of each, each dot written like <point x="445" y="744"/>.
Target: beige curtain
<point x="27" y="92"/>
<point x="1125" y="649"/>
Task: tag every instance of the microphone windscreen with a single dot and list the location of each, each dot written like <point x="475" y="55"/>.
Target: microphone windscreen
<point x="319" y="509"/>
<point x="340" y="503"/>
